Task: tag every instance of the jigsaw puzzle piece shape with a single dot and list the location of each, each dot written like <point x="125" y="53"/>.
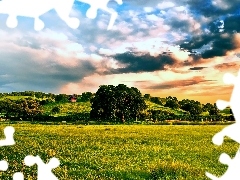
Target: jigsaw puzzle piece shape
<point x="44" y="170"/>
<point x="18" y="176"/>
<point x="25" y="8"/>
<point x="221" y="104"/>
<point x="3" y="165"/>
<point x="231" y="131"/>
<point x="63" y="10"/>
<point x="229" y="78"/>
<point x="101" y="4"/>
<point x="8" y="132"/>
<point x="36" y="8"/>
<point x="233" y="171"/>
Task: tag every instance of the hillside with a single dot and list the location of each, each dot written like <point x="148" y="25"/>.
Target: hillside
<point x="67" y="108"/>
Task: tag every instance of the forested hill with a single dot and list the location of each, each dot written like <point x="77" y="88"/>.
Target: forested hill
<point x="61" y="105"/>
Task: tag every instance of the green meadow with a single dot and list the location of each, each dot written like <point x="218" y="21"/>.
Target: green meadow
<point x="129" y="152"/>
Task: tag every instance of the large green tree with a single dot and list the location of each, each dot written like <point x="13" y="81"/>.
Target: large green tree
<point x="193" y="107"/>
<point x="211" y="108"/>
<point x="117" y="103"/>
<point x="22" y="108"/>
<point x="172" y="102"/>
<point x="28" y="108"/>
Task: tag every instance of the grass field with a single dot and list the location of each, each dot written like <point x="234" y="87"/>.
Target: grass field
<point x="119" y="151"/>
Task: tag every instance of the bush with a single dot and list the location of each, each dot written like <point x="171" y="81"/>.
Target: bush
<point x="55" y="110"/>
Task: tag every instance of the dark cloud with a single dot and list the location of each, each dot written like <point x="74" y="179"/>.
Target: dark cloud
<point x="196" y="68"/>
<point x="220" y="47"/>
<point x="20" y="72"/>
<point x="208" y="9"/>
<point x="232" y="24"/>
<point x="141" y="62"/>
<point x="220" y="42"/>
<point x="177" y="83"/>
<point x="176" y="25"/>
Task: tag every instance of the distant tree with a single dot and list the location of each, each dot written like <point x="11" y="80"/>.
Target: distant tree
<point x="55" y="110"/>
<point x="214" y="110"/>
<point x="29" y="93"/>
<point x="9" y="107"/>
<point x="211" y="108"/>
<point x="86" y="96"/>
<point x="147" y="96"/>
<point x="193" y="107"/>
<point x="156" y="100"/>
<point x="117" y="103"/>
<point x="172" y="102"/>
<point x="28" y="108"/>
<point x="207" y="107"/>
<point x="39" y="95"/>
<point x="61" y="98"/>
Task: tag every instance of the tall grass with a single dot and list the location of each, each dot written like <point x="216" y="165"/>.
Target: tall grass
<point x="118" y="151"/>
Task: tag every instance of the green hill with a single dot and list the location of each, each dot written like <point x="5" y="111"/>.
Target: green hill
<point x="67" y="108"/>
<point x="79" y="107"/>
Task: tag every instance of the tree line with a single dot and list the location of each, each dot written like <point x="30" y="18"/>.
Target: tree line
<point x="110" y="103"/>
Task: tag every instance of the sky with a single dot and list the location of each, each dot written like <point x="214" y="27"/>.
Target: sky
<point x="163" y="48"/>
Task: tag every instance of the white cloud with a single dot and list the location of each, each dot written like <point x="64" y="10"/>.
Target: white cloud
<point x="152" y="17"/>
<point x="124" y="27"/>
<point x="105" y="51"/>
<point x="93" y="48"/>
<point x="165" y="5"/>
<point x="222" y="4"/>
<point x="148" y="9"/>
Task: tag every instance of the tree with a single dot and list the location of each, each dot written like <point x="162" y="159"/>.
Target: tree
<point x="55" y="110"/>
<point x="86" y="96"/>
<point x="117" y="103"/>
<point x="207" y="107"/>
<point x="61" y="98"/>
<point x="147" y="96"/>
<point x="193" y="107"/>
<point x="172" y="102"/>
<point x="214" y="110"/>
<point x="28" y="108"/>
<point x="211" y="108"/>
<point x="156" y="100"/>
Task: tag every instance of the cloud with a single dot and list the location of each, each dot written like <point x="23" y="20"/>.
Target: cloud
<point x="226" y="5"/>
<point x="152" y="17"/>
<point x="219" y="43"/>
<point x="175" y="83"/>
<point x="231" y="66"/>
<point x="165" y="5"/>
<point x="141" y="62"/>
<point x="42" y="66"/>
<point x="197" y="68"/>
<point x="148" y="9"/>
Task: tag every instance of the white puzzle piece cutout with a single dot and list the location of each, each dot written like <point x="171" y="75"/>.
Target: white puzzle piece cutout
<point x="3" y="165"/>
<point x="8" y="141"/>
<point x="101" y="4"/>
<point x="233" y="171"/>
<point x="36" y="8"/>
<point x="231" y="131"/>
<point x="18" y="176"/>
<point x="44" y="170"/>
